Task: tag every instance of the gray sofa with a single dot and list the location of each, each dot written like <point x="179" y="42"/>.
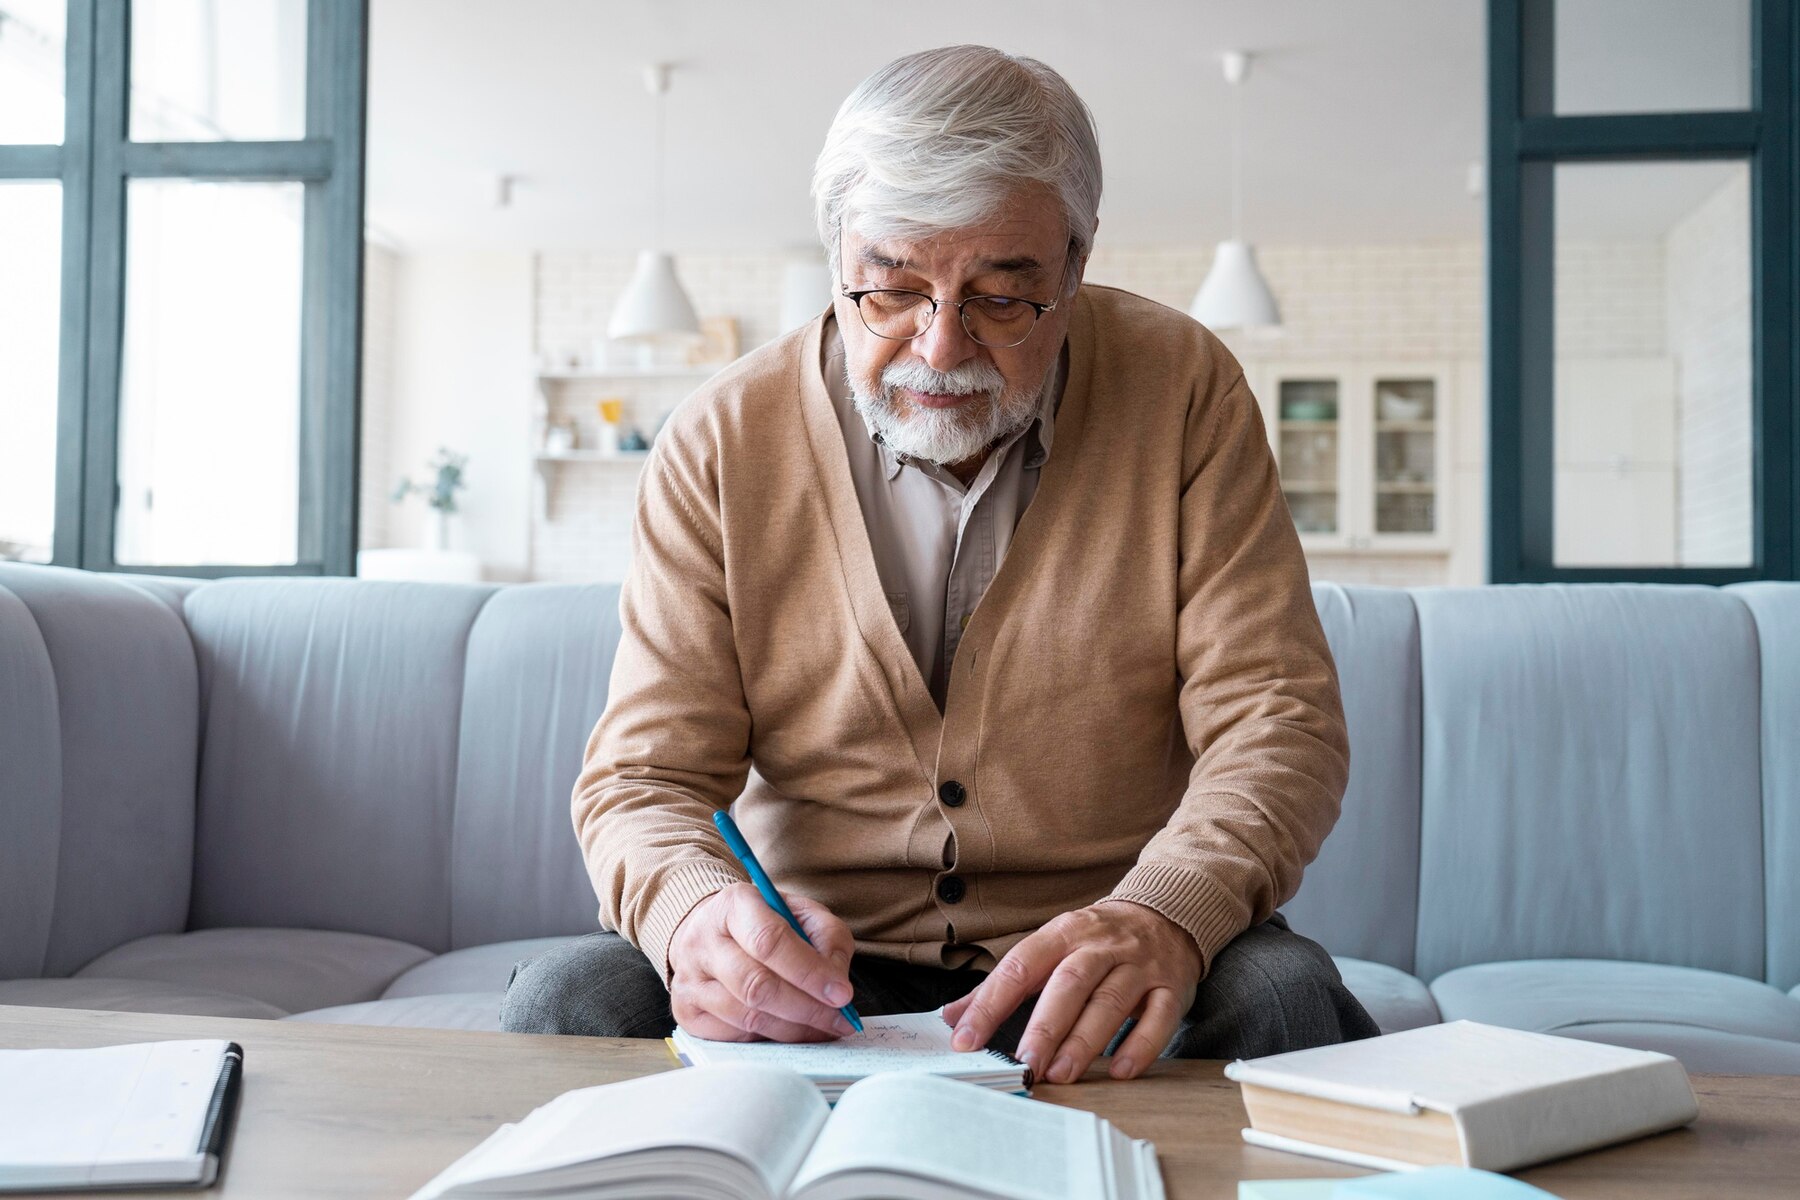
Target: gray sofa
<point x="1572" y="809"/>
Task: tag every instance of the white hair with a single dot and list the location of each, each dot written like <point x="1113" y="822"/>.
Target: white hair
<point x="940" y="139"/>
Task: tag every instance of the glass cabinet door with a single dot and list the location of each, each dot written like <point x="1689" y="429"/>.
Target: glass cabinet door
<point x="1407" y="473"/>
<point x="1308" y="452"/>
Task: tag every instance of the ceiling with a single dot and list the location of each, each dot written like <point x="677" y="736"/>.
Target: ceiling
<point x="1362" y="118"/>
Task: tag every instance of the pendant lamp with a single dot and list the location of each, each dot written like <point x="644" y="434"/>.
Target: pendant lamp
<point x="654" y="306"/>
<point x="1234" y="294"/>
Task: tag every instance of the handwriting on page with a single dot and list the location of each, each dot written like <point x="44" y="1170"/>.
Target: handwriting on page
<point x="904" y="1041"/>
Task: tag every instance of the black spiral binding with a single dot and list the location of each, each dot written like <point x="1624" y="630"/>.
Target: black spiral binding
<point x="224" y="1101"/>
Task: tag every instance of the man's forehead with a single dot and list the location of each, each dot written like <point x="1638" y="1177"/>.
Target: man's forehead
<point x="1003" y="256"/>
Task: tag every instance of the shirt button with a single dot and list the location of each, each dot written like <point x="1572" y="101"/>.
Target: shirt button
<point x="964" y="623"/>
<point x="951" y="889"/>
<point x="952" y="793"/>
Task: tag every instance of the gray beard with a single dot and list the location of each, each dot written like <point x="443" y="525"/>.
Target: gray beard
<point x="937" y="435"/>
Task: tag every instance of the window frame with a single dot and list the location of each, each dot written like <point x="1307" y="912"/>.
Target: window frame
<point x="94" y="164"/>
<point x="1524" y="148"/>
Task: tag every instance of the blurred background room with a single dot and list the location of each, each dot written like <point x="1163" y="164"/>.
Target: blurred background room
<point x="527" y="198"/>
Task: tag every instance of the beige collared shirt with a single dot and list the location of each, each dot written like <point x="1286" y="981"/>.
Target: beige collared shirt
<point x="938" y="543"/>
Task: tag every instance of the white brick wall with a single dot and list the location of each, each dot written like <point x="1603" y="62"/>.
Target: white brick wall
<point x="1708" y="298"/>
<point x="1393" y="303"/>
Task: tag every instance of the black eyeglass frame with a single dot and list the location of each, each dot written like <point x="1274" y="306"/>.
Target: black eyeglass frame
<point x="962" y="315"/>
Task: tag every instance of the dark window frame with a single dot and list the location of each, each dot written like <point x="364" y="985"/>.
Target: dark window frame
<point x="1523" y="148"/>
<point x="94" y="164"/>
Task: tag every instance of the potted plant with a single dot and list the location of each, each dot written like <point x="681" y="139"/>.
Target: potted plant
<point x="446" y="474"/>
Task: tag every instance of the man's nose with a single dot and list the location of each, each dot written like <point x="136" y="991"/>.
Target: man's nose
<point x="945" y="343"/>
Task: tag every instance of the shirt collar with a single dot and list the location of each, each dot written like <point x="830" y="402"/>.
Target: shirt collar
<point x="1037" y="436"/>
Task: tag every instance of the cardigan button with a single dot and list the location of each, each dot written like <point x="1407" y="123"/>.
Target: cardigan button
<point x="951" y="889"/>
<point x="952" y="793"/>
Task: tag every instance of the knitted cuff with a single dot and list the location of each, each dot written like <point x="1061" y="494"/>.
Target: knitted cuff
<point x="680" y="888"/>
<point x="1211" y="915"/>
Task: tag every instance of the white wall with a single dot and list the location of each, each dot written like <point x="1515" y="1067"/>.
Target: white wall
<point x="1709" y="339"/>
<point x="462" y="373"/>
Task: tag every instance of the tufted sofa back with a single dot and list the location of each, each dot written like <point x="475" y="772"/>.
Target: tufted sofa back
<point x="1594" y="771"/>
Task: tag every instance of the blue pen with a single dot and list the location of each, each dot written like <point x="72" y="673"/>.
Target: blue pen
<point x="734" y="838"/>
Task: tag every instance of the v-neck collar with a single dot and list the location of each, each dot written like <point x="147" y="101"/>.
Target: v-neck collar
<point x="856" y="557"/>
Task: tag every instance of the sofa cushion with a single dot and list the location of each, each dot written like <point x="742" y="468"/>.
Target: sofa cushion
<point x="1703" y="1051"/>
<point x="457" y="1010"/>
<point x="1360" y="896"/>
<point x="1776" y="608"/>
<point x="101" y="825"/>
<point x="1592" y="777"/>
<point x="1395" y="999"/>
<point x="31" y="782"/>
<point x="478" y="969"/>
<point x="134" y="995"/>
<point x="1712" y="1018"/>
<point x="538" y="662"/>
<point x="292" y="969"/>
<point x="328" y="757"/>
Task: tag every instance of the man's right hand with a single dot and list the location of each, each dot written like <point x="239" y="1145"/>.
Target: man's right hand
<point x="739" y="974"/>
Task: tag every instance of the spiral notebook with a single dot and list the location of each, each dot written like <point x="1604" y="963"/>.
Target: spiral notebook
<point x="901" y="1042"/>
<point x="139" y="1115"/>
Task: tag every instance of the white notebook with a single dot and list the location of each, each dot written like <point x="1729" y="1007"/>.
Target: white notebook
<point x="765" y="1133"/>
<point x="151" y="1113"/>
<point x="900" y="1042"/>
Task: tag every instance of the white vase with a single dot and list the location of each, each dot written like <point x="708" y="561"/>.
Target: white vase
<point x="437" y="529"/>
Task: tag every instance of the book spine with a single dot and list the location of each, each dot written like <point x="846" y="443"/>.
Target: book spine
<point x="223" y="1105"/>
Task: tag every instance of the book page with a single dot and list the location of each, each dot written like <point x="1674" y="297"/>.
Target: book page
<point x="901" y="1042"/>
<point x="935" y="1128"/>
<point x="766" y="1118"/>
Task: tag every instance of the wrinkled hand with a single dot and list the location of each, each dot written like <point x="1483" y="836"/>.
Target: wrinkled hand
<point x="1103" y="963"/>
<point x="739" y="974"/>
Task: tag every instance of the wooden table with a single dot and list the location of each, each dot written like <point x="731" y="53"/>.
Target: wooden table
<point x="354" y="1110"/>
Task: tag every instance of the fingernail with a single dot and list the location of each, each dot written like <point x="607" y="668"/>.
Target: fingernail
<point x="963" y="1039"/>
<point x="1063" y="1070"/>
<point x="843" y="1026"/>
<point x="1122" y="1068"/>
<point x="838" y="993"/>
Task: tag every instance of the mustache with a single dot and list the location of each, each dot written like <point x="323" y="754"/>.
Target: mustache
<point x="964" y="380"/>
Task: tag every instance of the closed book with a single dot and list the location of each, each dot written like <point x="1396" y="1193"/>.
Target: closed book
<point x="1460" y="1094"/>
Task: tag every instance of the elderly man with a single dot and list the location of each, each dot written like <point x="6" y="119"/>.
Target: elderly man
<point x="978" y="601"/>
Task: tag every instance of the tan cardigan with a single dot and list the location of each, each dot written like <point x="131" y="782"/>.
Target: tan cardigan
<point x="1143" y="706"/>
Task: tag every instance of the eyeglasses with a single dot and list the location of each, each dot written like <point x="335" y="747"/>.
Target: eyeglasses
<point x="900" y="315"/>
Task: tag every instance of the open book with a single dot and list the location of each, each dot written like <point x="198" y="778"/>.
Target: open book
<point x="901" y="1042"/>
<point x="744" y="1132"/>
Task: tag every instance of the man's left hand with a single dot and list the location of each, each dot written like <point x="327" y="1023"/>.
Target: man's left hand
<point x="1102" y="964"/>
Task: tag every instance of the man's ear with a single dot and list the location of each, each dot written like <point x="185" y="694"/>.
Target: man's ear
<point x="1081" y="263"/>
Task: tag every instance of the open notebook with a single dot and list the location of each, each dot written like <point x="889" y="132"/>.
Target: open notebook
<point x="902" y="1042"/>
<point x="145" y="1114"/>
<point x="746" y="1132"/>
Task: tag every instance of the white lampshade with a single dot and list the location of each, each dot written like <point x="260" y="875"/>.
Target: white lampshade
<point x="653" y="304"/>
<point x="1234" y="295"/>
<point x="805" y="292"/>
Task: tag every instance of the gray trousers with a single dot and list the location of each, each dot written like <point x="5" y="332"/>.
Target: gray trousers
<point x="1269" y="991"/>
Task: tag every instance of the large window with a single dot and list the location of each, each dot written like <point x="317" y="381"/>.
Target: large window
<point x="1641" y="290"/>
<point x="180" y="283"/>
